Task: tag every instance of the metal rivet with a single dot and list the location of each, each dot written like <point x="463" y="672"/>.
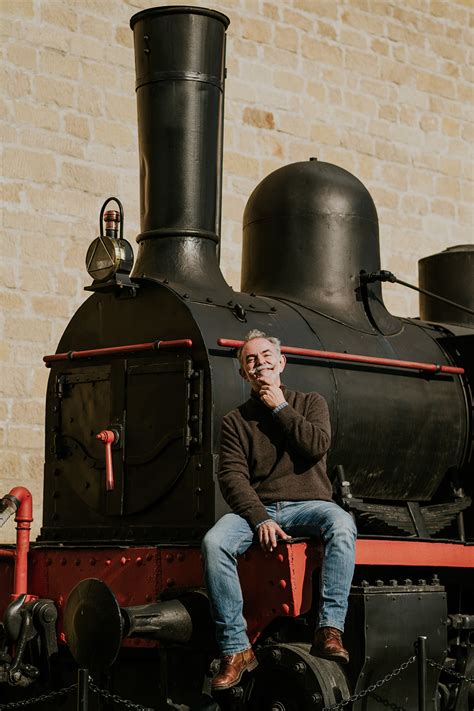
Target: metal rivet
<point x="299" y="667"/>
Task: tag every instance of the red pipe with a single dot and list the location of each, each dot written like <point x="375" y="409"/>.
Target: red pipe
<point x="352" y="357"/>
<point x="6" y="553"/>
<point x="23" y="518"/>
<point x="118" y="350"/>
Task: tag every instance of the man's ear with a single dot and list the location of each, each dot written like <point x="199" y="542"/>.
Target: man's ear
<point x="282" y="363"/>
<point x="243" y="374"/>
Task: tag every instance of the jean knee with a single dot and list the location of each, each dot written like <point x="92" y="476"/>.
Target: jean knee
<point x="349" y="525"/>
<point x="342" y="526"/>
<point x="211" y="544"/>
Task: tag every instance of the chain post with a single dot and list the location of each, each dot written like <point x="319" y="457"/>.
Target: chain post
<point x="422" y="668"/>
<point x="83" y="690"/>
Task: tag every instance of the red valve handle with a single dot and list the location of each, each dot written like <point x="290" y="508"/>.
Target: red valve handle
<point x="108" y="438"/>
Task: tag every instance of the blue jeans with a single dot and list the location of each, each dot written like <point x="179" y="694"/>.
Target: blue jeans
<point x="231" y="536"/>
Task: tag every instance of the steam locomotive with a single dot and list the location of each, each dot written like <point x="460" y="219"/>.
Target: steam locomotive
<point x="142" y="376"/>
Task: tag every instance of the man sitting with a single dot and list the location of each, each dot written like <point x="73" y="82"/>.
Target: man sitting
<point x="273" y="476"/>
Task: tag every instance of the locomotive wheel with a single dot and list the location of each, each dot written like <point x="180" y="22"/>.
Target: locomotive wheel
<point x="289" y="678"/>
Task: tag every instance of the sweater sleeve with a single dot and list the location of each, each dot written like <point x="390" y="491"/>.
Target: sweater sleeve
<point x="234" y="477"/>
<point x="309" y="434"/>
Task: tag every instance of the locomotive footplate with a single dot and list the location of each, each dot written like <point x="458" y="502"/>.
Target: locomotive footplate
<point x="383" y="624"/>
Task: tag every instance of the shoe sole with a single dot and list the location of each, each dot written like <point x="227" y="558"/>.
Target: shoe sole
<point x="223" y="687"/>
<point x="331" y="657"/>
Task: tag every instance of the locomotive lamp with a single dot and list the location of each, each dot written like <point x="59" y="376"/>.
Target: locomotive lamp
<point x="109" y="259"/>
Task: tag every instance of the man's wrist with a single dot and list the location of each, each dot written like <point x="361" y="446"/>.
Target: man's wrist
<point x="267" y="520"/>
<point x="279" y="407"/>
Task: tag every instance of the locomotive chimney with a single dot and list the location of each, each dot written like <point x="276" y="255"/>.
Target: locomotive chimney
<point x="179" y="61"/>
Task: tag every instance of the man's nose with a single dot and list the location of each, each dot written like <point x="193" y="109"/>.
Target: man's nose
<point x="260" y="359"/>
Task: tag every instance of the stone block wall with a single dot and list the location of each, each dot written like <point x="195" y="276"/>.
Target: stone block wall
<point x="381" y="88"/>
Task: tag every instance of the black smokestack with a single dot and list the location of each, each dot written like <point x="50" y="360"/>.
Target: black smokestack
<point x="180" y="68"/>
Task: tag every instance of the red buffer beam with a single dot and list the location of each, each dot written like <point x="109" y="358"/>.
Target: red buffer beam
<point x="118" y="350"/>
<point x="414" y="553"/>
<point x="355" y="358"/>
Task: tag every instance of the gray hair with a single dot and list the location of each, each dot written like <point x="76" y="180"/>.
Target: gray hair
<point x="255" y="333"/>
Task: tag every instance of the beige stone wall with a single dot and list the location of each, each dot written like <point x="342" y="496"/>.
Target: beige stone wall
<point x="382" y="88"/>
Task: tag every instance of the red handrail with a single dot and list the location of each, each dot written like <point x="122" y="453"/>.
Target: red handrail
<point x="355" y="358"/>
<point x="118" y="350"/>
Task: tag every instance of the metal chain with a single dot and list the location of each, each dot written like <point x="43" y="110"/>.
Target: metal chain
<point x="458" y="675"/>
<point x="115" y="698"/>
<point x="372" y="687"/>
<point x="44" y="697"/>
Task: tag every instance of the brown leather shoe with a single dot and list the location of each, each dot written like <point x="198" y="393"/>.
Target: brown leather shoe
<point x="232" y="667"/>
<point x="328" y="645"/>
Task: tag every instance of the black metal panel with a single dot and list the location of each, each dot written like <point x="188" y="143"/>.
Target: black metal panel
<point x="382" y="626"/>
<point x="449" y="274"/>
<point x="163" y="400"/>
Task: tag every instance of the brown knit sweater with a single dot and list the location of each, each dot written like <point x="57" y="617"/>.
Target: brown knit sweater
<point x="266" y="458"/>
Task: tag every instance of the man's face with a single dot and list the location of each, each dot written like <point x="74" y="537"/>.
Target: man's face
<point x="261" y="364"/>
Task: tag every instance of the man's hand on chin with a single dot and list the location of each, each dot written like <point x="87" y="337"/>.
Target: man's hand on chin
<point x="271" y="395"/>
